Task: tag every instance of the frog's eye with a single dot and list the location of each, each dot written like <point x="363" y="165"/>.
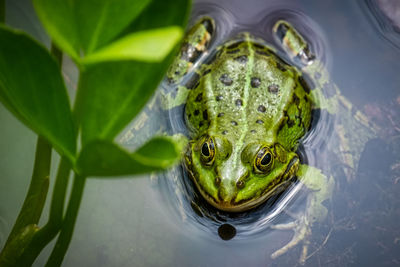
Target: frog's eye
<point x="207" y="152"/>
<point x="264" y="161"/>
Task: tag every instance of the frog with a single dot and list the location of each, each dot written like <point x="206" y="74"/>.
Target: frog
<point x="247" y="110"/>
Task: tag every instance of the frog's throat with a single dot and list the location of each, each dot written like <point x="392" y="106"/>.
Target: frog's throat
<point x="276" y="186"/>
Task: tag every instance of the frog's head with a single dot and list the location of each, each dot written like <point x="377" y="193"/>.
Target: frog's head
<point x="237" y="178"/>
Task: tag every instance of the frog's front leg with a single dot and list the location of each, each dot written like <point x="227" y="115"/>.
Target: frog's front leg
<point x="293" y="43"/>
<point x="321" y="190"/>
<point x="194" y="45"/>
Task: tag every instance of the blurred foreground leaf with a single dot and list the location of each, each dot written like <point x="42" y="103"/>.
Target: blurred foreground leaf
<point x="150" y="46"/>
<point x="111" y="94"/>
<point x="31" y="87"/>
<point x="103" y="158"/>
<point x="84" y="26"/>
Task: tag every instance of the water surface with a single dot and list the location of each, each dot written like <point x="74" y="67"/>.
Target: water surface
<point x="151" y="222"/>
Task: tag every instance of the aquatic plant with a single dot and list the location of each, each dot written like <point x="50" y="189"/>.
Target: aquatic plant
<point x="122" y="49"/>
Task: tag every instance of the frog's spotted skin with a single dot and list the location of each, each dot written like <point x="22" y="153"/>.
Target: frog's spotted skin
<point x="246" y="93"/>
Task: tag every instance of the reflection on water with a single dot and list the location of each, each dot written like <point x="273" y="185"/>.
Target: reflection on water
<point x="164" y="222"/>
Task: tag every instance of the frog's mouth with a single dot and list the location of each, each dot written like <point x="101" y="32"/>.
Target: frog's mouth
<point x="277" y="186"/>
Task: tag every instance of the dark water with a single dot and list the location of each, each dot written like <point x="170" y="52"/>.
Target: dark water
<point x="161" y="221"/>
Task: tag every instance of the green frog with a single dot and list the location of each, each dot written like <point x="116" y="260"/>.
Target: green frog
<point x="247" y="111"/>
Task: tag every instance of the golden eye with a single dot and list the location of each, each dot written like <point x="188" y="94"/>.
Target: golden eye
<point x="207" y="152"/>
<point x="264" y="161"/>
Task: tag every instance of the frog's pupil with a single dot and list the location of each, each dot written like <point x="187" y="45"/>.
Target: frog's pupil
<point x="204" y="150"/>
<point x="266" y="159"/>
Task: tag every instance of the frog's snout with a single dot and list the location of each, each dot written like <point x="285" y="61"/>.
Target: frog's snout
<point x="230" y="182"/>
<point x="226" y="190"/>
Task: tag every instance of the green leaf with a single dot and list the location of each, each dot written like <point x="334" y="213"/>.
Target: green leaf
<point x="150" y="46"/>
<point x="103" y="158"/>
<point x="31" y="87"/>
<point x="85" y="25"/>
<point x="111" y="94"/>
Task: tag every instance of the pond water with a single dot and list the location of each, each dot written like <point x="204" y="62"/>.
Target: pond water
<point x="161" y="221"/>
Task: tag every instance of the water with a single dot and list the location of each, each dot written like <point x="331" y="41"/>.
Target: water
<point x="157" y="222"/>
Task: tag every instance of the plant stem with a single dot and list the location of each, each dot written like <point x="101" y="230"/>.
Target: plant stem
<point x="34" y="201"/>
<point x="60" y="190"/>
<point x="68" y="225"/>
<point x="50" y="230"/>
<point x="2" y="11"/>
<point x="36" y="197"/>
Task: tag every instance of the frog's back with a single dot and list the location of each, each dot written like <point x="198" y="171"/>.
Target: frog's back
<point x="244" y="91"/>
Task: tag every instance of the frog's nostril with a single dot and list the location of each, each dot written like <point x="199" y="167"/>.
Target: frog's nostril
<point x="240" y="184"/>
<point x="217" y="181"/>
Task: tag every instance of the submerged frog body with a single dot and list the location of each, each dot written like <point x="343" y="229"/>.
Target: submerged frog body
<point x="247" y="110"/>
